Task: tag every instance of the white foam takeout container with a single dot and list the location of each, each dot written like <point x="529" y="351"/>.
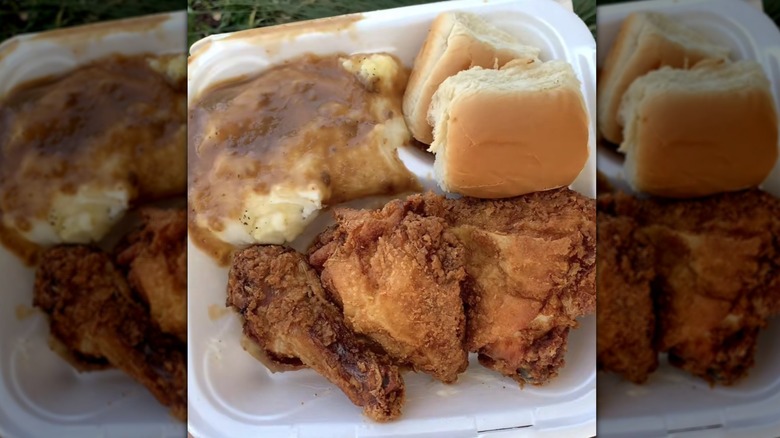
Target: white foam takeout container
<point x="40" y="394"/>
<point x="232" y="394"/>
<point x="672" y="402"/>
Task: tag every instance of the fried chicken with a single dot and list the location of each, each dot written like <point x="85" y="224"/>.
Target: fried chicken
<point x="717" y="263"/>
<point x="398" y="277"/>
<point x="531" y="267"/>
<point x="626" y="314"/>
<point x="91" y="313"/>
<point x="155" y="257"/>
<point x="284" y="310"/>
<point x="530" y="264"/>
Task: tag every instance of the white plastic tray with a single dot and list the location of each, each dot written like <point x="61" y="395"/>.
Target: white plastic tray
<point x="40" y="394"/>
<point x="672" y="402"/>
<point x="231" y="394"/>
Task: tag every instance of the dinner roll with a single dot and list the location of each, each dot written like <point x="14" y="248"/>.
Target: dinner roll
<point x="702" y="131"/>
<point x="455" y="42"/>
<point x="647" y="41"/>
<point x="507" y="132"/>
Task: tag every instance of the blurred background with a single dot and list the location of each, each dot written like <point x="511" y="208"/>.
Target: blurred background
<point x="208" y="17"/>
<point x="24" y="16"/>
<point x="771" y="7"/>
<point x="215" y="16"/>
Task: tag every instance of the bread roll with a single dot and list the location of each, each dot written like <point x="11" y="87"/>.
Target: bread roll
<point x="456" y="41"/>
<point x="647" y="41"/>
<point x="507" y="132"/>
<point x="697" y="132"/>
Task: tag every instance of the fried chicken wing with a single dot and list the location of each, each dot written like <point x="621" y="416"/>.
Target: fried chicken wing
<point x="156" y="260"/>
<point x="92" y="314"/>
<point x="717" y="263"/>
<point x="531" y="267"/>
<point x="282" y="303"/>
<point x="626" y="313"/>
<point x="398" y="276"/>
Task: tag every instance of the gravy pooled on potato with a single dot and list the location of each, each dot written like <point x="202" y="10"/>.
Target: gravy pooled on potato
<point x="267" y="153"/>
<point x="78" y="150"/>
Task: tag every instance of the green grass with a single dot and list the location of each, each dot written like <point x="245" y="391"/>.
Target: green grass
<point x="23" y="16"/>
<point x="208" y="17"/>
<point x="216" y="16"/>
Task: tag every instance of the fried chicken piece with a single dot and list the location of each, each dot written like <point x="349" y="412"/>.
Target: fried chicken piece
<point x="282" y="304"/>
<point x="92" y="314"/>
<point x="718" y="276"/>
<point x="531" y="265"/>
<point x="398" y="277"/>
<point x="155" y="257"/>
<point x="626" y="314"/>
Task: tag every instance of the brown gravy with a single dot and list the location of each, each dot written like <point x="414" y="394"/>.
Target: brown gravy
<point x="256" y="132"/>
<point x="55" y="132"/>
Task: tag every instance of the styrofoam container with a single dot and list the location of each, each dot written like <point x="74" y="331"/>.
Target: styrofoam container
<point x="40" y="394"/>
<point x="231" y="394"/>
<point x="672" y="402"/>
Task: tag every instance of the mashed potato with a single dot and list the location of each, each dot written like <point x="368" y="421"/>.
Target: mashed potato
<point x="272" y="151"/>
<point x="78" y="150"/>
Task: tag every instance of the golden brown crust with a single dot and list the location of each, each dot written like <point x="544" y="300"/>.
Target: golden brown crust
<point x="398" y="276"/>
<point x="717" y="264"/>
<point x="156" y="260"/>
<point x="626" y="313"/>
<point x="280" y="299"/>
<point x="531" y="266"/>
<point x="529" y="260"/>
<point x="92" y="313"/>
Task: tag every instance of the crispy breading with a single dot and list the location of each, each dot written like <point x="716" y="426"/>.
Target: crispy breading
<point x="717" y="263"/>
<point x="398" y="276"/>
<point x="531" y="264"/>
<point x="92" y="313"/>
<point x="281" y="301"/>
<point x="626" y="314"/>
<point x="155" y="257"/>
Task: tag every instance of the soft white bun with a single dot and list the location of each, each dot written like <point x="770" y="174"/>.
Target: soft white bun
<point x="697" y="132"/>
<point x="456" y="41"/>
<point x="647" y="41"/>
<point x="507" y="132"/>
